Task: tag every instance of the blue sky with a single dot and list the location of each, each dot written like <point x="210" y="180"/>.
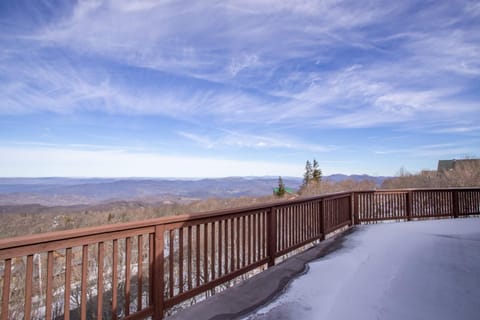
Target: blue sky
<point x="236" y="88"/>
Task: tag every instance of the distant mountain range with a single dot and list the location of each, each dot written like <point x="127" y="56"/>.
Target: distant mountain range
<point x="74" y="191"/>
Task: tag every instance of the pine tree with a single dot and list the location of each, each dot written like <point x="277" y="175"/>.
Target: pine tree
<point x="317" y="172"/>
<point x="308" y="175"/>
<point x="281" y="187"/>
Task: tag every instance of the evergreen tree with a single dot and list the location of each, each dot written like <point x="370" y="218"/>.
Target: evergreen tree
<point x="308" y="175"/>
<point x="317" y="172"/>
<point x="281" y="187"/>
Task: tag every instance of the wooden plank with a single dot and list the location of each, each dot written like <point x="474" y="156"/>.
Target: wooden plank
<point x="84" y="283"/>
<point x="49" y="289"/>
<point x="237" y="243"/>
<point x="455" y="204"/>
<point x="28" y="287"/>
<point x="151" y="267"/>
<point x="260" y="237"/>
<point x="115" y="279"/>
<point x="212" y="253"/>
<point x="356" y="219"/>
<point x="303" y="216"/>
<point x="171" y="254"/>
<point x="128" y="271"/>
<point x="289" y="224"/>
<point x="281" y="229"/>
<point x="226" y="246"/>
<point x="6" y="288"/>
<point x="322" y="220"/>
<point x="294" y="226"/>
<point x="232" y="244"/>
<point x="249" y="237"/>
<point x="254" y="240"/>
<point x="271" y="236"/>
<point x="180" y="260"/>
<point x="159" y="273"/>
<point x="205" y="253"/>
<point x="189" y="262"/>
<point x="197" y="254"/>
<point x="243" y="242"/>
<point x="68" y="283"/>
<point x="100" y="256"/>
<point x="220" y="251"/>
<point x="139" y="272"/>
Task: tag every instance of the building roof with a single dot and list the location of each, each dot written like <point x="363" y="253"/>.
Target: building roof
<point x="446" y="165"/>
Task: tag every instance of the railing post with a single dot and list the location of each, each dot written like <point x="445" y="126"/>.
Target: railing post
<point x="322" y="220"/>
<point x="409" y="199"/>
<point x="350" y="208"/>
<point x="455" y="203"/>
<point x="158" y="273"/>
<point x="272" y="236"/>
<point x="354" y="212"/>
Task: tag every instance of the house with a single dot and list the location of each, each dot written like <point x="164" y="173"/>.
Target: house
<point x="450" y="165"/>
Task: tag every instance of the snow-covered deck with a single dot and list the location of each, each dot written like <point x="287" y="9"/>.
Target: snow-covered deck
<point x="412" y="270"/>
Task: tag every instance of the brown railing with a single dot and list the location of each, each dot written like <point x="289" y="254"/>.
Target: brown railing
<point x="411" y="204"/>
<point x="141" y="269"/>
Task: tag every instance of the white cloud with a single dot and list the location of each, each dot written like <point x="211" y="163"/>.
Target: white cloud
<point x="280" y="30"/>
<point x="65" y="88"/>
<point x="448" y="50"/>
<point x="261" y="53"/>
<point x="472" y="8"/>
<point x="245" y="61"/>
<point x="228" y="138"/>
<point x="138" y="5"/>
<point x="459" y="129"/>
<point x="439" y="150"/>
<point x="368" y="96"/>
<point x="201" y="140"/>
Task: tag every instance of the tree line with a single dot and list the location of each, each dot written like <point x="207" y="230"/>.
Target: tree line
<point x="466" y="174"/>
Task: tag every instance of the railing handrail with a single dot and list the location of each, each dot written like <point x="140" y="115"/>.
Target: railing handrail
<point x="9" y="243"/>
<point x="12" y="242"/>
<point x="418" y="189"/>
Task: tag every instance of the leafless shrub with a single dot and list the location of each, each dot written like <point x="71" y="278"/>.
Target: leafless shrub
<point x="465" y="174"/>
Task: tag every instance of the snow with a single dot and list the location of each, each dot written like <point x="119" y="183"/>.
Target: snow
<point x="409" y="270"/>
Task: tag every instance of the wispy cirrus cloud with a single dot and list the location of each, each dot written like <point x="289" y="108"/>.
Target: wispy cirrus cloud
<point x="297" y="77"/>
<point x="243" y="50"/>
<point x="228" y="138"/>
<point x="433" y="150"/>
<point x="238" y="34"/>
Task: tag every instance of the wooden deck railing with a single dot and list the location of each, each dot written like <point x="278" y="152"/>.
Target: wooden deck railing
<point x="140" y="269"/>
<point x="415" y="204"/>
